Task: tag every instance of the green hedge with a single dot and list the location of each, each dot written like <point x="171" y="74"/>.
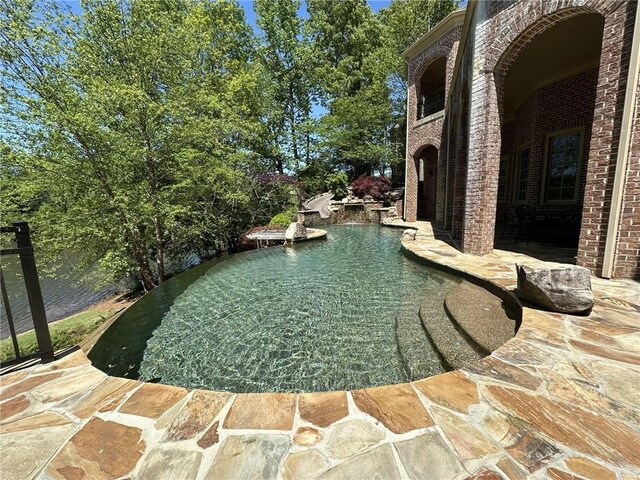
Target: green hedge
<point x="284" y="219"/>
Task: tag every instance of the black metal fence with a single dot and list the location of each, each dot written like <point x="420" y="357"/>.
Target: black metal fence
<point x="24" y="250"/>
<point x="428" y="105"/>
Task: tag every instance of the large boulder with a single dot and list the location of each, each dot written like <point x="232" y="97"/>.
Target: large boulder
<point x="408" y="235"/>
<point x="295" y="231"/>
<point x="565" y="289"/>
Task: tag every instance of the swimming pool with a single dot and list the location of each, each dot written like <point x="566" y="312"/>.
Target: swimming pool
<point x="319" y="316"/>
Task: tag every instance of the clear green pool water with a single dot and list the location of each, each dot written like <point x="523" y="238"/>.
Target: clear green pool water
<point x="319" y="316"/>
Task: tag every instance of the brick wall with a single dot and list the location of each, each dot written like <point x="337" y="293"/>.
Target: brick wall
<point x="502" y="30"/>
<point x="616" y="48"/>
<point x="476" y="138"/>
<point x="560" y="106"/>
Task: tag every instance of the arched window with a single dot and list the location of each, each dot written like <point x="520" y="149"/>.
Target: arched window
<point x="431" y="94"/>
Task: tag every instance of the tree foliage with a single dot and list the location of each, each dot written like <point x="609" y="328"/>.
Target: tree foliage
<point x="375" y="187"/>
<point x="285" y="57"/>
<point x="140" y="132"/>
<point x="133" y="120"/>
<point x="361" y="79"/>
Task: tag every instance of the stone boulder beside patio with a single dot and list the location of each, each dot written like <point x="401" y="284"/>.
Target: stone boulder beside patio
<point x="296" y="231"/>
<point x="409" y="234"/>
<point x="565" y="289"/>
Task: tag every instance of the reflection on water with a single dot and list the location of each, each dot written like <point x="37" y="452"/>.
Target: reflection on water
<point x="319" y="317"/>
<point x="63" y="295"/>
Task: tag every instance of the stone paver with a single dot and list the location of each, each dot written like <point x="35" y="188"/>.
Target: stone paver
<point x="101" y="450"/>
<point x="452" y="390"/>
<point x="377" y="464"/>
<point x="589" y="469"/>
<point x="27" y="385"/>
<point x="575" y="427"/>
<point x="32" y="422"/>
<point x="68" y="386"/>
<point x="19" y="457"/>
<point x="427" y="456"/>
<point x="511" y="469"/>
<point x="304" y="465"/>
<point x="250" y="456"/>
<point x="396" y="406"/>
<point x="196" y="415"/>
<point x="351" y="437"/>
<point x="152" y="400"/>
<point x="307" y="436"/>
<point x="560" y="400"/>
<point x="104" y="397"/>
<point x="210" y="437"/>
<point x="468" y="442"/>
<point x="323" y="408"/>
<point x="13" y="407"/>
<point x="262" y="411"/>
<point x="169" y="464"/>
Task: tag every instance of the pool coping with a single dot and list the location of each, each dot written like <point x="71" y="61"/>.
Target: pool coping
<point x="558" y="400"/>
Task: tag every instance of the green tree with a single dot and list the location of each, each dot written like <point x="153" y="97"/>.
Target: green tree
<point x="284" y="53"/>
<point x="134" y="118"/>
<point x="344" y="34"/>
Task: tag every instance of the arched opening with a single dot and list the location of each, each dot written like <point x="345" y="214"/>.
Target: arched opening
<point x="427" y="168"/>
<point x="547" y="105"/>
<point x="431" y="93"/>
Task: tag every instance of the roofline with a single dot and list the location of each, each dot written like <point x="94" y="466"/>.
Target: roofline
<point x="449" y="22"/>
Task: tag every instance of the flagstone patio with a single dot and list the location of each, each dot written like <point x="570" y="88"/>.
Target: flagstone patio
<point x="561" y="400"/>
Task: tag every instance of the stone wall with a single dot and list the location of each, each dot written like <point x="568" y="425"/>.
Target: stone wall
<point x="310" y="218"/>
<point x="357" y="212"/>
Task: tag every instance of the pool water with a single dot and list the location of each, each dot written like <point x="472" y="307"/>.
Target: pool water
<point x="319" y="316"/>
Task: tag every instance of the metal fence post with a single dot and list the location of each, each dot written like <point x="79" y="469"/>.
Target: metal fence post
<point x="7" y="310"/>
<point x="34" y="294"/>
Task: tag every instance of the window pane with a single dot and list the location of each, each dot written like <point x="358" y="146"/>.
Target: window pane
<point x="563" y="158"/>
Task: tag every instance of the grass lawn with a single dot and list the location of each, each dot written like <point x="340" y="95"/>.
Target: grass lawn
<point x="65" y="333"/>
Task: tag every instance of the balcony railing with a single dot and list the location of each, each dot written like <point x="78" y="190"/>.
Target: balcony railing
<point x="430" y="104"/>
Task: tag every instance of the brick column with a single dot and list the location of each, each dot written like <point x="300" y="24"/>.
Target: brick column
<point x="484" y="149"/>
<point x="411" y="190"/>
<point x="607" y="115"/>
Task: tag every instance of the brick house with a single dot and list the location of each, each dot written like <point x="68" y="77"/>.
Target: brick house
<point x="526" y="114"/>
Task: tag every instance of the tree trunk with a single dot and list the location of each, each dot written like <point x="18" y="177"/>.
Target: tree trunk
<point x="294" y="133"/>
<point x="159" y="250"/>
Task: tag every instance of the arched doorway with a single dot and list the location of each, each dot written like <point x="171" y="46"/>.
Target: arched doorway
<point x="547" y="94"/>
<point x="427" y="168"/>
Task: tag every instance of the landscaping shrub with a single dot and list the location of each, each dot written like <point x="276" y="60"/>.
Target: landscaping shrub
<point x="284" y="219"/>
<point x="367" y="185"/>
<point x="338" y="183"/>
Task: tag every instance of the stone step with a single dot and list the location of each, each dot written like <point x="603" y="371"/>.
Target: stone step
<point x="485" y="320"/>
<point x="453" y="348"/>
<point x="418" y="355"/>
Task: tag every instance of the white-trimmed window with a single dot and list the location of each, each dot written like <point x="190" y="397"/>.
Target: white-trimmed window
<point x="563" y="158"/>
